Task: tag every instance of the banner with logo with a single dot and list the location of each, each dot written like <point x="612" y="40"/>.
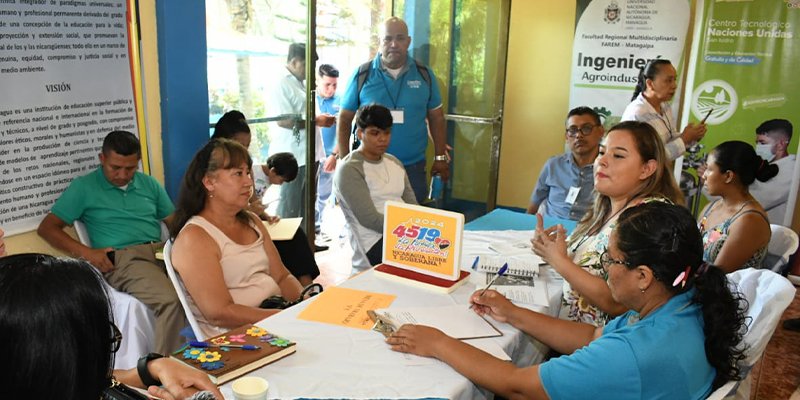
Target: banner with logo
<point x="616" y="38"/>
<point x="422" y="239"/>
<point x="744" y="71"/>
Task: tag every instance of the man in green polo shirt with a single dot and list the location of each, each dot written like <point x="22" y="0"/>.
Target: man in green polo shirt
<point x="122" y="210"/>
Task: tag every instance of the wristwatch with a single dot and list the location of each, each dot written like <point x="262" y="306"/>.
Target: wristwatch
<point x="441" y="157"/>
<point x="144" y="373"/>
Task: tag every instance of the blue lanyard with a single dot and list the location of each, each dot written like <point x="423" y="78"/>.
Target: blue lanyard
<point x="400" y="89"/>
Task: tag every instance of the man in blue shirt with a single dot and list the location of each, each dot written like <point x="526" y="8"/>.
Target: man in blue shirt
<point x="328" y="103"/>
<point x="566" y="182"/>
<point x="410" y="92"/>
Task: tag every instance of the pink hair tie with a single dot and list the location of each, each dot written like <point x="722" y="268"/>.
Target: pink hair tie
<point x="682" y="278"/>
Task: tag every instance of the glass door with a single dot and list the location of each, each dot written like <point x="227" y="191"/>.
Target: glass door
<point x="465" y="43"/>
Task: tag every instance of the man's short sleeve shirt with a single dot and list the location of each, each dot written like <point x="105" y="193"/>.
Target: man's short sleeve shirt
<point x="411" y="93"/>
<point x="329" y="106"/>
<point x="115" y="217"/>
<point x="560" y="173"/>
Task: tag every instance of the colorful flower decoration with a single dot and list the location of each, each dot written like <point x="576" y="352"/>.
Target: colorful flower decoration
<point x="208" y="356"/>
<point x="220" y="341"/>
<point x="280" y="342"/>
<point x="256" y="331"/>
<point x="192" y="353"/>
<point x="210" y="366"/>
<point x="237" y="338"/>
<point x="266" y="338"/>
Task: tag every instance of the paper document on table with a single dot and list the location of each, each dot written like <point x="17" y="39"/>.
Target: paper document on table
<point x="345" y="307"/>
<point x="283" y="229"/>
<point x="457" y="321"/>
<point x="520" y="290"/>
<point x="520" y="247"/>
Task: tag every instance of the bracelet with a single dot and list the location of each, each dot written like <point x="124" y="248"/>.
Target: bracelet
<point x="441" y="157"/>
<point x="144" y="373"/>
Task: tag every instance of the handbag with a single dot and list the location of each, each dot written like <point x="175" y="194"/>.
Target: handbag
<point x="281" y="303"/>
<point x="119" y="391"/>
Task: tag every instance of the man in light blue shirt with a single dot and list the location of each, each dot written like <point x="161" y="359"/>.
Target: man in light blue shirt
<point x="328" y="103"/>
<point x="566" y="183"/>
<point x="409" y="90"/>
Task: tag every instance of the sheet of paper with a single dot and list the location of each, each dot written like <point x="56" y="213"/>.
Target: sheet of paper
<point x="345" y="307"/>
<point x="489" y="346"/>
<point x="534" y="295"/>
<point x="283" y="229"/>
<point x="457" y="321"/>
<point x="519" y="247"/>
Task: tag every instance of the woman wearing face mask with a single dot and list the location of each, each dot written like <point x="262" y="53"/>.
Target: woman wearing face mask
<point x="650" y="104"/>
<point x="735" y="227"/>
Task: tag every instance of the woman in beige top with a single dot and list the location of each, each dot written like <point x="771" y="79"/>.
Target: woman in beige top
<point x="222" y="252"/>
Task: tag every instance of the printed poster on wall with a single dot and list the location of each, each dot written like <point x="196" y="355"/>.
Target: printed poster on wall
<point x="423" y="239"/>
<point x="66" y="77"/>
<point x="745" y="71"/>
<point x="613" y="40"/>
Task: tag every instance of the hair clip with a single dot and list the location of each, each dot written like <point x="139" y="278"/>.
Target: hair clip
<point x="682" y="278"/>
<point x="703" y="268"/>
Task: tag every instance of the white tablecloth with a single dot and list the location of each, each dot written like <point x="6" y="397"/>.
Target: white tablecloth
<point x="338" y="362"/>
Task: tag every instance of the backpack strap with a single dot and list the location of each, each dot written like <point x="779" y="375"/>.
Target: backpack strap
<point x="426" y="75"/>
<point x="363" y="74"/>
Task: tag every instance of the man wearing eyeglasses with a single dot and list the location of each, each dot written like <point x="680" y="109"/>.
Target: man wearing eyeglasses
<point x="566" y="182"/>
<point x="409" y="90"/>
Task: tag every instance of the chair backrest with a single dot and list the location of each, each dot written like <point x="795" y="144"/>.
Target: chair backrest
<point x="723" y="391"/>
<point x="782" y="244"/>
<point x="83" y="234"/>
<point x="768" y="295"/>
<point x="181" y="291"/>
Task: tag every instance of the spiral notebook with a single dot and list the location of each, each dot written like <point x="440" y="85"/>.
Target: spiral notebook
<point x="527" y="265"/>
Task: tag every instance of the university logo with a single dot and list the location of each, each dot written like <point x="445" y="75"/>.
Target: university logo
<point x="716" y="96"/>
<point x="612" y="13"/>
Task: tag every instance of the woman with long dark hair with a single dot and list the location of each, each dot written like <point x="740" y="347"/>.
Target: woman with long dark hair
<point x="681" y="338"/>
<point x="655" y="88"/>
<point x="735" y="227"/>
<point x="223" y="252"/>
<point x="56" y="322"/>
<point x="630" y="169"/>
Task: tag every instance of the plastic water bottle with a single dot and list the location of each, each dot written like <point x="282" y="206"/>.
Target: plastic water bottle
<point x="437" y="187"/>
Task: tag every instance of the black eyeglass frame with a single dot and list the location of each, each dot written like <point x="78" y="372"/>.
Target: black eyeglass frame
<point x="606" y="261"/>
<point x="585" y="130"/>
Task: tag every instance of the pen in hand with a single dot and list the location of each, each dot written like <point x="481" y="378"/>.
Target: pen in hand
<point x="500" y="272"/>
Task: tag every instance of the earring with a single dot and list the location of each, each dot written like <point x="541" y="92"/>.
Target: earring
<point x="211" y="195"/>
<point x="642" y="289"/>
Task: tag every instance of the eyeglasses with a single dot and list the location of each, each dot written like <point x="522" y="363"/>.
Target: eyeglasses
<point x="116" y="340"/>
<point x="606" y="261"/>
<point x="585" y="130"/>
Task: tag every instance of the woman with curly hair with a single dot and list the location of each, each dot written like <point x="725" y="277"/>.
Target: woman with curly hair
<point x="681" y="338"/>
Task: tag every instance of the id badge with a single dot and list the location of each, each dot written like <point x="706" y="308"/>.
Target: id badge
<point x="397" y="116"/>
<point x="572" y="195"/>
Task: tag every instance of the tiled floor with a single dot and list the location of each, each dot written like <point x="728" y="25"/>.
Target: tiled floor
<point x="777" y="375"/>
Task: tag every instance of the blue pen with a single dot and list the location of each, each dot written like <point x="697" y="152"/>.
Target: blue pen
<point x="475" y="263"/>
<point x="500" y="272"/>
<point x="195" y="343"/>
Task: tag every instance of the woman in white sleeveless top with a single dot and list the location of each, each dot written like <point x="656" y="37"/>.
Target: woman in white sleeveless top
<point x="222" y="252"/>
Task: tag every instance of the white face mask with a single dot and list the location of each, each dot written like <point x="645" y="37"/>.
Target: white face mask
<point x="764" y="150"/>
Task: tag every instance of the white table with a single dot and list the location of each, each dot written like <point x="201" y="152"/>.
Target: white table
<point x="338" y="362"/>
